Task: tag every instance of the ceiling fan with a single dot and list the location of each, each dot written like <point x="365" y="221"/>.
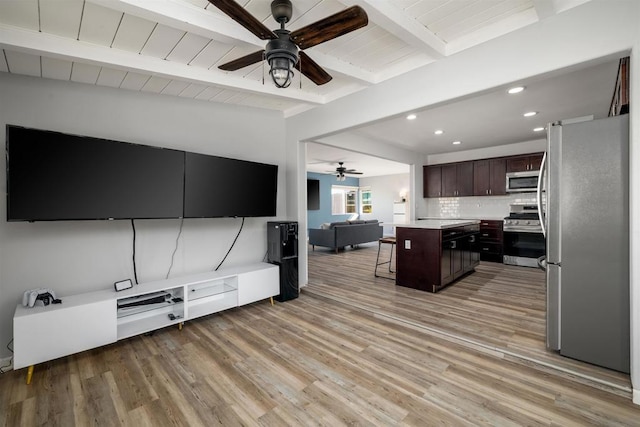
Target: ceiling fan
<point x="341" y="171"/>
<point x="284" y="51"/>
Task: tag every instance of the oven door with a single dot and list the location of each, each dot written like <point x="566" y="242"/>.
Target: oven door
<point x="524" y="244"/>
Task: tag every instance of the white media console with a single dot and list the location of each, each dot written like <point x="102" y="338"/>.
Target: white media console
<point x="90" y="320"/>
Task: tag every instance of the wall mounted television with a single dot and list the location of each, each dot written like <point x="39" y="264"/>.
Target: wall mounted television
<point x="56" y="176"/>
<point x="313" y="194"/>
<point x="221" y="187"/>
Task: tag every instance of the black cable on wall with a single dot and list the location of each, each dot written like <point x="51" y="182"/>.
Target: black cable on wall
<point x="234" y="242"/>
<point x="135" y="273"/>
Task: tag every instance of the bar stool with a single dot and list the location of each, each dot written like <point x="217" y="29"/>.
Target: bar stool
<point x="391" y="240"/>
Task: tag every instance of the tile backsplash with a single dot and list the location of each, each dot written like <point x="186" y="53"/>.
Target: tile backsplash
<point x="474" y="207"/>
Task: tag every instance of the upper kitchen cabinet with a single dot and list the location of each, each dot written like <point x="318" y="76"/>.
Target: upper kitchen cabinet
<point x="432" y="181"/>
<point x="457" y="179"/>
<point x="530" y="162"/>
<point x="489" y="177"/>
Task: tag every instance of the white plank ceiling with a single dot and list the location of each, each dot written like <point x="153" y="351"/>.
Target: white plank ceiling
<point x="174" y="47"/>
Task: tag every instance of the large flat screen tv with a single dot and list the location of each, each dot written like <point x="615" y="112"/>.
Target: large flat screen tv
<point x="313" y="194"/>
<point x="222" y="187"/>
<point x="56" y="176"/>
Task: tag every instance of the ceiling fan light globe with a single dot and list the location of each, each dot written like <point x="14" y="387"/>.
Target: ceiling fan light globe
<point x="281" y="71"/>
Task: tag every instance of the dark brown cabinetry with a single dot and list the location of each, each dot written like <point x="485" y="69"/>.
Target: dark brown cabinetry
<point x="530" y="162"/>
<point x="435" y="258"/>
<point x="489" y="177"/>
<point x="457" y="179"/>
<point x="490" y="240"/>
<point x="432" y="181"/>
<point x="485" y="177"/>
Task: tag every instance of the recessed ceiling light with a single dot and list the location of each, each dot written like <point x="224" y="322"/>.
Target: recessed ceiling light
<point x="456" y="142"/>
<point x="411" y="117"/>
<point x="439" y="132"/>
<point x="540" y="129"/>
<point x="516" y="89"/>
<point x="530" y="114"/>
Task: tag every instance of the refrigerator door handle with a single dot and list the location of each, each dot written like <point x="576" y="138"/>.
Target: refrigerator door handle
<point x="541" y="214"/>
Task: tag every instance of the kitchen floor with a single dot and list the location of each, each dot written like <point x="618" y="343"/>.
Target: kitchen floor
<point x="500" y="308"/>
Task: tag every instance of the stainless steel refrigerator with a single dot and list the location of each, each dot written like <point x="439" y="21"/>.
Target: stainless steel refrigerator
<point x="586" y="218"/>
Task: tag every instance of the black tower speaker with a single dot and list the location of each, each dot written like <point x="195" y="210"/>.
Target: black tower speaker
<point x="282" y="242"/>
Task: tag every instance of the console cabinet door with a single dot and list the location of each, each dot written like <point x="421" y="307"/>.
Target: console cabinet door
<point x="42" y="333"/>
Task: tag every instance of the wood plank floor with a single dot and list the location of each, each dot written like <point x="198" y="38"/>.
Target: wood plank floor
<point x="502" y="307"/>
<point x="315" y="361"/>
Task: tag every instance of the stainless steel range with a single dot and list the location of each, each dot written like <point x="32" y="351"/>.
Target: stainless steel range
<point x="524" y="242"/>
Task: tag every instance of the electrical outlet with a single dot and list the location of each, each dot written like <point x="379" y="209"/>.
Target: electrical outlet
<point x="407" y="244"/>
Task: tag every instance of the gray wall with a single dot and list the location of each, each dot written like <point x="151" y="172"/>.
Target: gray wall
<point x="81" y="256"/>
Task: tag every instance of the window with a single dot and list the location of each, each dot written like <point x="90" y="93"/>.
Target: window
<point x="343" y="200"/>
<point x="365" y="201"/>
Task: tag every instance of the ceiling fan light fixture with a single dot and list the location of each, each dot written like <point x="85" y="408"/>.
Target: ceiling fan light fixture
<point x="281" y="71"/>
<point x="282" y="56"/>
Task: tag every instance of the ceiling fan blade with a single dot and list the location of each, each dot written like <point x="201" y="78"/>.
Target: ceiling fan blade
<point x="312" y="70"/>
<point x="244" y="61"/>
<point x="330" y="27"/>
<point x="244" y="18"/>
<point x="352" y="173"/>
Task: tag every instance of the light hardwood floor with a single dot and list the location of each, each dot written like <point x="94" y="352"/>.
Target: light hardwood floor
<point x="351" y="350"/>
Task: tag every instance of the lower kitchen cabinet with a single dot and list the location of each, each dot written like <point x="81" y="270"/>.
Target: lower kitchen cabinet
<point x="435" y="258"/>
<point x="490" y="241"/>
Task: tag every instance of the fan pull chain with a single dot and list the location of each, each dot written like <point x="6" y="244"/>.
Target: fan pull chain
<point x="263" y="60"/>
<point x="300" y="76"/>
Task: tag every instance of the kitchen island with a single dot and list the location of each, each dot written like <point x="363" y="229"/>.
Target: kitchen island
<point x="432" y="254"/>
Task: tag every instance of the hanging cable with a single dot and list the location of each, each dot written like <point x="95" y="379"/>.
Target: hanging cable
<point x="175" y="249"/>
<point x="234" y="242"/>
<point x="135" y="273"/>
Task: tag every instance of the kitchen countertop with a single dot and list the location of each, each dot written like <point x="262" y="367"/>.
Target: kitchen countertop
<point x="464" y="218"/>
<point x="438" y="224"/>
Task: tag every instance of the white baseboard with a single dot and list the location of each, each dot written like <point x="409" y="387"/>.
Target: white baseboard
<point x="6" y="363"/>
<point x="636" y="396"/>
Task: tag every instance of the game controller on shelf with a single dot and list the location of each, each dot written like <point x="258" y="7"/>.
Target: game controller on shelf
<point x="46" y="295"/>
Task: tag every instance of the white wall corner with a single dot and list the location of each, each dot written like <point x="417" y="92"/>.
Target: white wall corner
<point x="636" y="396"/>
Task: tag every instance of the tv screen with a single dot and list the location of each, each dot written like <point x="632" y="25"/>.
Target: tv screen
<point x="221" y="187"/>
<point x="313" y="194"/>
<point x="56" y="176"/>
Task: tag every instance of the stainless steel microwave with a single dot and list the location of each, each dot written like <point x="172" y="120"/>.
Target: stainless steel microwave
<point x="521" y="182"/>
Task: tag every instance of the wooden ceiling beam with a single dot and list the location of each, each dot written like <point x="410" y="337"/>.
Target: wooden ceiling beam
<point x="51" y="46"/>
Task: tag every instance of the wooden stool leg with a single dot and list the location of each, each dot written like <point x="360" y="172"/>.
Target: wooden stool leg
<point x="390" y="258"/>
<point x="375" y="272"/>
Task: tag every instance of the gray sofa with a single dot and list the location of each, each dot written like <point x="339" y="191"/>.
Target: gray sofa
<point x="340" y="234"/>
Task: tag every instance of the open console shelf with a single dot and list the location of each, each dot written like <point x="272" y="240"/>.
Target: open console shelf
<point x="147" y="312"/>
